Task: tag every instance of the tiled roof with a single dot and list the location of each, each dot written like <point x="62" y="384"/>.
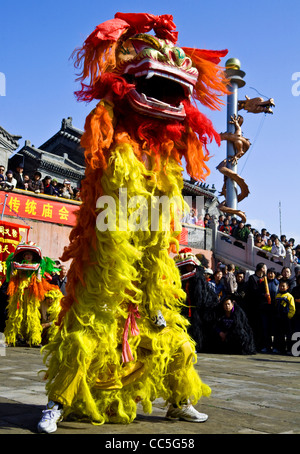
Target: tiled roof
<point x="10" y="137"/>
<point x="199" y="189"/>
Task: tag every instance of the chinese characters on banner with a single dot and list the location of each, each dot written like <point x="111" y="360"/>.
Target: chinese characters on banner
<point x="46" y="210"/>
<point x="9" y="239"/>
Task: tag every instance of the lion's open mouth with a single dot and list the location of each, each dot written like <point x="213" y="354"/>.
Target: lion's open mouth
<point x="159" y="92"/>
<point x="161" y="88"/>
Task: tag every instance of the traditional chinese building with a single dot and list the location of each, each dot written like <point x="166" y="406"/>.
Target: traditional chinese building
<point x="61" y="156"/>
<point x="194" y="189"/>
<point x="8" y="145"/>
<point x="43" y="219"/>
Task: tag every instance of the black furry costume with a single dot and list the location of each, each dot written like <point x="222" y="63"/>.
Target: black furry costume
<point x="204" y="311"/>
<point x="239" y="336"/>
<point x="200" y="310"/>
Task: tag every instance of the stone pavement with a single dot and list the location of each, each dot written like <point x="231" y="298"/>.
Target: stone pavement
<point x="257" y="394"/>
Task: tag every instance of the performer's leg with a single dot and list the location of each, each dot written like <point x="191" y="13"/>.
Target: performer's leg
<point x="67" y="379"/>
<point x="51" y="416"/>
<point x="62" y="394"/>
<point x="182" y="374"/>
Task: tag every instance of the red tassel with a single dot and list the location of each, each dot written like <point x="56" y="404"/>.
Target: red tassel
<point x="126" y="351"/>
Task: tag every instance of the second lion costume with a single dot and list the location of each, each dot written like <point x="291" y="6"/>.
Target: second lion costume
<point x="33" y="301"/>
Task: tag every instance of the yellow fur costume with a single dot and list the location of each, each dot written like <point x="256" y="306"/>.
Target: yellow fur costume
<point x="108" y="354"/>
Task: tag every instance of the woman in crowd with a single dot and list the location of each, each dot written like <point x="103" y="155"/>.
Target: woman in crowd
<point x="217" y="284"/>
<point x="279" y="250"/>
<point x="286" y="275"/>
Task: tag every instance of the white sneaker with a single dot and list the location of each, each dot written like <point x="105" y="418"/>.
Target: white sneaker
<point x="50" y="417"/>
<point x="186" y="412"/>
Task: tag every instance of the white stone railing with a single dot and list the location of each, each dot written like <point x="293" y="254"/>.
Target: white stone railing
<point x="247" y="256"/>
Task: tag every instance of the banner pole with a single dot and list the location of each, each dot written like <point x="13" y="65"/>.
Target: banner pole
<point x="4" y="204"/>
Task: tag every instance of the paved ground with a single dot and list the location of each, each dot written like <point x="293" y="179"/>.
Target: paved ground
<point x="257" y="394"/>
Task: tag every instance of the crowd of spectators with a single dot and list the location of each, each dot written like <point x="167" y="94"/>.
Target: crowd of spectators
<point x="270" y="300"/>
<point x="237" y="232"/>
<point x="17" y="179"/>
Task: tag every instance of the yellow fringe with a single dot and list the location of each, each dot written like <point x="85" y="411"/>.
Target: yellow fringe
<point x="127" y="267"/>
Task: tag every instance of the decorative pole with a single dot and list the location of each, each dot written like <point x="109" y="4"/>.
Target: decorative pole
<point x="235" y="75"/>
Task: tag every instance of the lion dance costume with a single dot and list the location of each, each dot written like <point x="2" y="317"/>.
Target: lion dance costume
<point x="108" y="354"/>
<point x="31" y="297"/>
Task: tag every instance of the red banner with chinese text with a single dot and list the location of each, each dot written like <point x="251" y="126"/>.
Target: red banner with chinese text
<point x="183" y="236"/>
<point x="10" y="237"/>
<point x="47" y="210"/>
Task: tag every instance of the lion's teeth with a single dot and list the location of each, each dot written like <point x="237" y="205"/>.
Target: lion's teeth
<point x="150" y="74"/>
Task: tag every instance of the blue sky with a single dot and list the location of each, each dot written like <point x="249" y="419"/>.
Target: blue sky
<point x="37" y="39"/>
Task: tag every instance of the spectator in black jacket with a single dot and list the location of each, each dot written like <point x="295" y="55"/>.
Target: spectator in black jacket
<point x="2" y="170"/>
<point x="19" y="177"/>
<point x="48" y="188"/>
<point x="256" y="300"/>
<point x="268" y="312"/>
<point x="242" y="285"/>
<point x="61" y="279"/>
